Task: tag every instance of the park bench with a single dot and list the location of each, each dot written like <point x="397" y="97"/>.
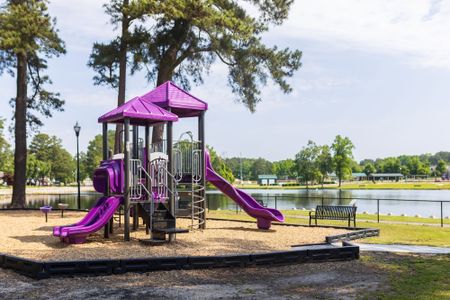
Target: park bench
<point x="337" y="212"/>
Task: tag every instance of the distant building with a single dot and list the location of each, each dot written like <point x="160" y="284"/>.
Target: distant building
<point x="267" y="179"/>
<point x="386" y="176"/>
<point x="359" y="176"/>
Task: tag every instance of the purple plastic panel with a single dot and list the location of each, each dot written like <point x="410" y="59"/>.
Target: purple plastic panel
<point x="182" y="103"/>
<point x="263" y="215"/>
<point x="109" y="174"/>
<point x="140" y="112"/>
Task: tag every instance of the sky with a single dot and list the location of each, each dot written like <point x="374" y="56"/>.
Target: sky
<point x="375" y="71"/>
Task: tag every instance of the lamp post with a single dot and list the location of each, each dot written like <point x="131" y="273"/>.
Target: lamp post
<point x="77" y="129"/>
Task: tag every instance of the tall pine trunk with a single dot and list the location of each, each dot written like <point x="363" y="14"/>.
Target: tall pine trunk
<point x="20" y="151"/>
<point x="164" y="74"/>
<point x="167" y="66"/>
<point x="122" y="76"/>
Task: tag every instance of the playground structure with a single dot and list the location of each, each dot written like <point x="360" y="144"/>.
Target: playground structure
<point x="158" y="181"/>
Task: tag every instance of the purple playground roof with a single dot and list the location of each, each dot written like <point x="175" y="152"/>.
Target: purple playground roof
<point x="140" y="112"/>
<point x="180" y="102"/>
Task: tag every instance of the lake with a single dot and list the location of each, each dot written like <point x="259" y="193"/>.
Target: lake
<point x="298" y="199"/>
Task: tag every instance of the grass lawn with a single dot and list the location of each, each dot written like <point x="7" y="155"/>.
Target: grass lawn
<point x="390" y="233"/>
<point x="373" y="217"/>
<point x="411" y="276"/>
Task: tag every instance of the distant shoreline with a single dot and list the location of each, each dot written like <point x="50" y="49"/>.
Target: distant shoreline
<point x="359" y="186"/>
<point x="46" y="190"/>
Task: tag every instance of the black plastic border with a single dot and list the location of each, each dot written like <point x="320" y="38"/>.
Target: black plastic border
<point x="41" y="270"/>
<point x="354" y="235"/>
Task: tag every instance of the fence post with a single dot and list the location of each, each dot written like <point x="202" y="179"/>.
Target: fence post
<point x="442" y="215"/>
<point x="276" y="206"/>
<point x="378" y="210"/>
<point x="237" y="209"/>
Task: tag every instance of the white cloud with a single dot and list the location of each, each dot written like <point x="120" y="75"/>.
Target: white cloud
<point x="416" y="29"/>
<point x="81" y="22"/>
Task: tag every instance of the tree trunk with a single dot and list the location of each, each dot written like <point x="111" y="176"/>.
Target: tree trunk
<point x="164" y="75"/>
<point x="122" y="76"/>
<point x="20" y="132"/>
<point x="167" y="65"/>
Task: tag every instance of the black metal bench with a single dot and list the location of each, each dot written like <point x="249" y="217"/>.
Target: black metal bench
<point x="337" y="212"/>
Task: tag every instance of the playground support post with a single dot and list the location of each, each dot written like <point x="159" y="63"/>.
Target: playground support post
<point x="201" y="138"/>
<point x="169" y="167"/>
<point x="135" y="156"/>
<point x="378" y="210"/>
<point x="148" y="182"/>
<point x="127" y="180"/>
<point x="105" y="157"/>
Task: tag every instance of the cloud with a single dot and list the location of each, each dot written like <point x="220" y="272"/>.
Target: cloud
<point x="81" y="23"/>
<point x="418" y="30"/>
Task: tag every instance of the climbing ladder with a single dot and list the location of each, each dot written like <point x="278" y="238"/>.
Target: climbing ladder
<point x="187" y="158"/>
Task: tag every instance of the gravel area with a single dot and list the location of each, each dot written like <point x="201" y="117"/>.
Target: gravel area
<point x="25" y="234"/>
<point x="331" y="280"/>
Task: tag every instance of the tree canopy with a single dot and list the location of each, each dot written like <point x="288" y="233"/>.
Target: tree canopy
<point x="48" y="154"/>
<point x="6" y="155"/>
<point x="342" y="148"/>
<point x="94" y="155"/>
<point x="306" y="160"/>
<point x="180" y="40"/>
<point x="26" y="29"/>
<point x="219" y="165"/>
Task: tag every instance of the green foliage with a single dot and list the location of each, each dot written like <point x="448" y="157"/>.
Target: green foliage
<point x="219" y="165"/>
<point x="261" y="166"/>
<point x="94" y="154"/>
<point x="441" y="167"/>
<point x="307" y="166"/>
<point x="285" y="169"/>
<point x="37" y="169"/>
<point x="180" y="40"/>
<point x="369" y="168"/>
<point x="27" y="29"/>
<point x="47" y="153"/>
<point x="324" y="162"/>
<point x="342" y="148"/>
<point x="6" y="155"/>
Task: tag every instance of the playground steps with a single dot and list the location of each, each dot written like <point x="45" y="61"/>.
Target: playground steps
<point x="163" y="223"/>
<point x="172" y="230"/>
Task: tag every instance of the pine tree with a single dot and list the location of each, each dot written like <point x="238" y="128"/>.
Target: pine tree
<point x="27" y="38"/>
<point x="180" y="40"/>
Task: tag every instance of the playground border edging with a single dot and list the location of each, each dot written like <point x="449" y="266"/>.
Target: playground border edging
<point x="42" y="270"/>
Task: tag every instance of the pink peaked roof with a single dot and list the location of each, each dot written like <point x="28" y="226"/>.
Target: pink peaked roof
<point x="180" y="102"/>
<point x="140" y="112"/>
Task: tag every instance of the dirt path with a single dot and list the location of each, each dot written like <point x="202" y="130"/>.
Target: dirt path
<point x="343" y="280"/>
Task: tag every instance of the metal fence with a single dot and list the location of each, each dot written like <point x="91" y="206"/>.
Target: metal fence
<point x="274" y="200"/>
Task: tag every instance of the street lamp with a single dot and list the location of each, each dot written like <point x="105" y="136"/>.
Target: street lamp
<point x="77" y="129"/>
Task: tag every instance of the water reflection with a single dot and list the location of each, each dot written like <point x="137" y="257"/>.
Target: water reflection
<point x="292" y="199"/>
